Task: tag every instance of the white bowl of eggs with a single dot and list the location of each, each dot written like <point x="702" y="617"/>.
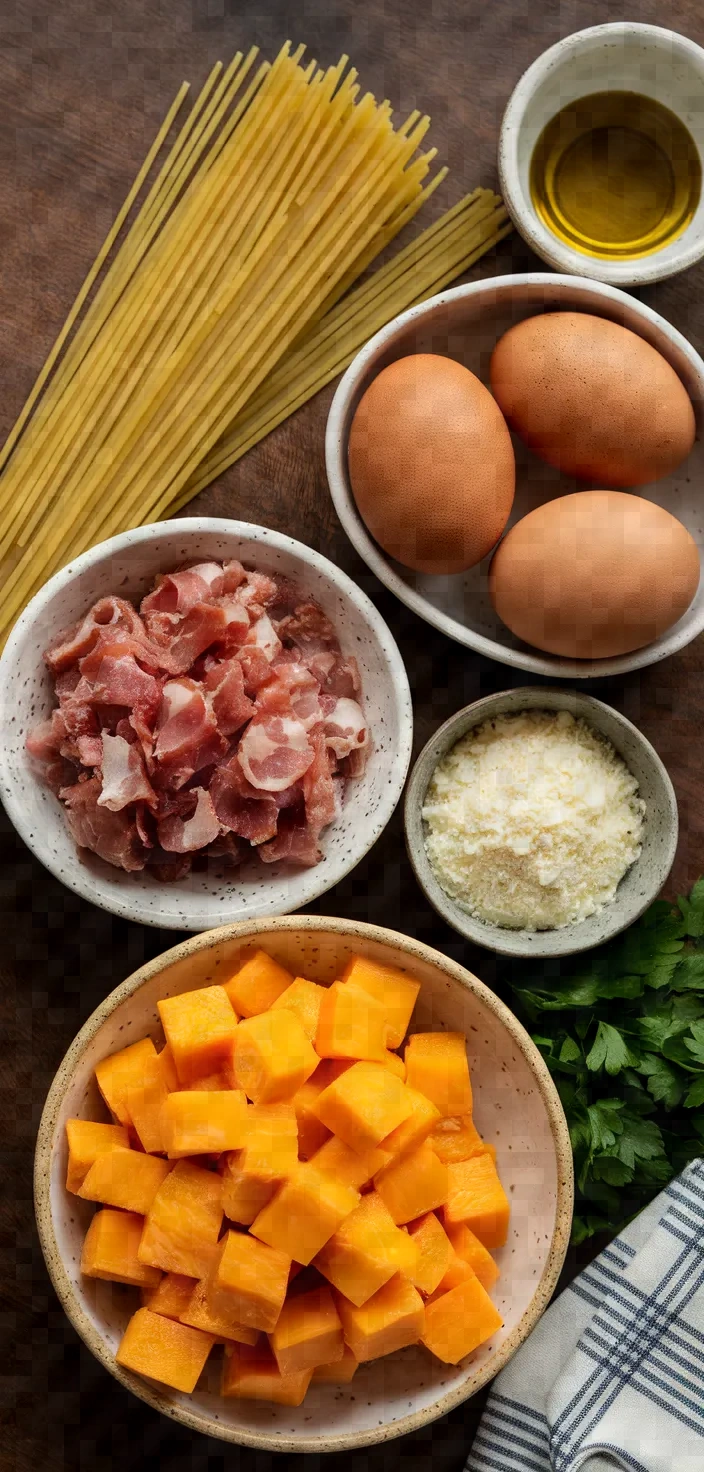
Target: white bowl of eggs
<point x="519" y="461"/>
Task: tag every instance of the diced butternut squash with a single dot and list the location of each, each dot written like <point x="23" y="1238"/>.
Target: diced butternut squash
<point x="202" y="1313"/>
<point x="436" y="1065"/>
<point x="340" y="1372"/>
<point x="110" y="1249"/>
<point x="364" y="1105"/>
<point x="312" y="1133"/>
<point x="392" y="1319"/>
<point x="308" y="1332"/>
<point x="457" y="1272"/>
<point x="396" y="1064"/>
<point x="336" y="1160"/>
<point x="202" y="1122"/>
<point x="393" y="989"/>
<point x="125" y="1178"/>
<point x="272" y="1056"/>
<point x="251" y="1175"/>
<point x="257" y="985"/>
<point x="305" y="999"/>
<point x="413" y="1130"/>
<point x="472" y="1251"/>
<point x="183" y="1225"/>
<point x="249" y="1281"/>
<point x="459" y="1321"/>
<point x="434" y="1252"/>
<point x="164" y="1350"/>
<point x="304" y="1213"/>
<point x="351" y="1024"/>
<point x="170" y="1296"/>
<point x="253" y="1374"/>
<point x="456" y="1138"/>
<point x="168" y="1068"/>
<point x="214" y="1083"/>
<point x="200" y="1027"/>
<point x="366" y="1251"/>
<point x="476" y="1196"/>
<point x="146" y="1098"/>
<point x="86" y="1141"/>
<point x="114" y="1075"/>
<point x="412" y="1184"/>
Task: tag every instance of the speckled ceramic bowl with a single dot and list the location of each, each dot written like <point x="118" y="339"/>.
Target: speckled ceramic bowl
<point x="516" y="1105"/>
<point x="127" y="565"/>
<point x="641" y="883"/>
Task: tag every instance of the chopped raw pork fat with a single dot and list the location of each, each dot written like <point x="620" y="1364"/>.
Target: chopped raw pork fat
<point x="264" y="635"/>
<point x="345" y="728"/>
<point x="124" y="777"/>
<point x="274" y="752"/>
<point x="186" y="835"/>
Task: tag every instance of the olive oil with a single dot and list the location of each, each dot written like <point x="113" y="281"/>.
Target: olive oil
<point x="616" y="175"/>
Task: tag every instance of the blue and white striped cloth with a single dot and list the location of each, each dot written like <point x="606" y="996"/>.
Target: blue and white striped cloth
<point x="613" y="1375"/>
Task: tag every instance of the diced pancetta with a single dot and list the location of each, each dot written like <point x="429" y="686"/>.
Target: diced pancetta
<point x="177" y="592"/>
<point x="264" y="636"/>
<point x="346" y="727"/>
<point x="295" y="843"/>
<point x="318" y="789"/>
<point x="242" y="808"/>
<point x="337" y="674"/>
<point x="108" y="613"/>
<point x="113" y="836"/>
<point x="124" y="777"/>
<point x="185" y="835"/>
<point x="274" y="752"/>
<point x="309" y="629"/>
<point x="231" y="707"/>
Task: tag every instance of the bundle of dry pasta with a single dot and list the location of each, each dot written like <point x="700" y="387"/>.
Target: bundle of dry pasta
<point x="220" y="309"/>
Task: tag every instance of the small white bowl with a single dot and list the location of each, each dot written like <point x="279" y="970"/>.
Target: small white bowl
<point x="641" y="884"/>
<point x="127" y="565"/>
<point x="466" y="323"/>
<point x="622" y="56"/>
<point x="516" y="1106"/>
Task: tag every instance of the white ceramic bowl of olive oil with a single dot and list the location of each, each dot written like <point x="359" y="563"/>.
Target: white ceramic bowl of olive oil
<point x="600" y="154"/>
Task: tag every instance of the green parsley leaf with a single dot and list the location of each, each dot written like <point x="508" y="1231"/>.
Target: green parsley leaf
<point x="604" y="1123"/>
<point x="664" y="1082"/>
<point x="695" y="1044"/>
<point x="612" y="1170"/>
<point x="693" y="910"/>
<point x="570" y="1051"/>
<point x="640" y="1140"/>
<point x="695" y="1094"/>
<point x="689" y="975"/>
<point x="610" y="1051"/>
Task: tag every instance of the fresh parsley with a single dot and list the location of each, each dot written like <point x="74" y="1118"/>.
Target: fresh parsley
<point x="622" y="1031"/>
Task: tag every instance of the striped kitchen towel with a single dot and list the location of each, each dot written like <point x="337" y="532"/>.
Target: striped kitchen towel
<point x="613" y="1375"/>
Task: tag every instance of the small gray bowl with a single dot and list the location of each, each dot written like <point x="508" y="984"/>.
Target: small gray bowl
<point x="642" y="882"/>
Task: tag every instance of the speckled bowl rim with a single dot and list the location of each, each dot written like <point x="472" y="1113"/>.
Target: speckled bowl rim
<point x="414" y="949"/>
<point x="493" y="937"/>
<point x="400" y="692"/>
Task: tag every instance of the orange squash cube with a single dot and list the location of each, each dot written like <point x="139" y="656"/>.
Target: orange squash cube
<point x="257" y="985"/>
<point x="110" y="1249"/>
<point x="459" y="1321"/>
<point x="473" y="1252"/>
<point x="434" y="1252"/>
<point x="251" y="1175"/>
<point x="336" y="1160"/>
<point x="351" y="1024"/>
<point x="202" y="1313"/>
<point x="396" y="1064"/>
<point x="436" y="1065"/>
<point x="308" y="1332"/>
<point x="114" y="1075"/>
<point x="164" y="1350"/>
<point x="304" y="1213"/>
<point x="366" y="1251"/>
<point x="200" y="1028"/>
<point x="364" y="1105"/>
<point x="458" y="1271"/>
<point x="171" y="1295"/>
<point x="312" y="1133"/>
<point x="412" y="1184"/>
<point x="305" y="999"/>
<point x="476" y="1197"/>
<point x="392" y="1319"/>
<point x="249" y="1281"/>
<point x="86" y="1141"/>
<point x="456" y="1138"/>
<point x="272" y="1056"/>
<point x="214" y="1083"/>
<point x="253" y="1374"/>
<point x="145" y="1099"/>
<point x="183" y="1225"/>
<point x="340" y="1372"/>
<point x="125" y="1178"/>
<point x="413" y="1130"/>
<point x="393" y="989"/>
<point x="202" y="1122"/>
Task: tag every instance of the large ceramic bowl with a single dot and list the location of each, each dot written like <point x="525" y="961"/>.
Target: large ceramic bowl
<point x="127" y="565"/>
<point x="516" y="1106"/>
<point x="641" y="884"/>
<point x="466" y="323"/>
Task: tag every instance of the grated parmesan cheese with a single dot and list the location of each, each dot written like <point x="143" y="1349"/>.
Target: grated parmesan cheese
<point x="532" y="820"/>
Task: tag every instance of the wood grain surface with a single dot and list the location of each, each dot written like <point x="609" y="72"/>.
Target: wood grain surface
<point x="84" y="85"/>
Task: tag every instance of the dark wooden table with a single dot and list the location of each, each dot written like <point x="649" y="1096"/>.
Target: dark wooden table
<point x="83" y="87"/>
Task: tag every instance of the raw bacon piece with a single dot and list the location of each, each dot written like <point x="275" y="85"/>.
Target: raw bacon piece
<point x="240" y="807"/>
<point x="112" y="836"/>
<point x="274" y="752"/>
<point x="264" y="636"/>
<point x="233" y="574"/>
<point x="44" y="742"/>
<point x="177" y="592"/>
<point x="237" y="625"/>
<point x="183" y="722"/>
<point x="74" y="643"/>
<point x="185" y="835"/>
<point x="203" y="625"/>
<point x="90" y="750"/>
<point x="255" y="668"/>
<point x="124" y="777"/>
<point x="346" y="728"/>
<point x="337" y="674"/>
<point x="309" y="629"/>
<point x="295" y="842"/>
<point x="231" y="707"/>
<point x="258" y="588"/>
<point x="318" y="789"/>
<point x="117" y="679"/>
<point x="294" y="692"/>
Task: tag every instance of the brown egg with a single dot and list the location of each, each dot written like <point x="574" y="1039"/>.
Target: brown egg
<point x="431" y="464"/>
<point x="592" y="398"/>
<point x="594" y="574"/>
